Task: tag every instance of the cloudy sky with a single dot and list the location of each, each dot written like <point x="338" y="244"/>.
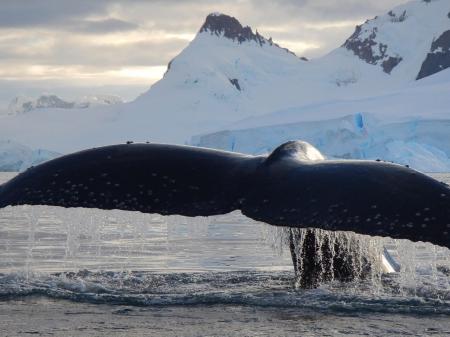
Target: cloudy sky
<point x="122" y="46"/>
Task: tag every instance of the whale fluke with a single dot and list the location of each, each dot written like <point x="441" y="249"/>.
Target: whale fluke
<point x="149" y="178"/>
<point x="283" y="189"/>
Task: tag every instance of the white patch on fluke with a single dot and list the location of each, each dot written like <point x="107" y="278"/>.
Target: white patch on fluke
<point x="310" y="153"/>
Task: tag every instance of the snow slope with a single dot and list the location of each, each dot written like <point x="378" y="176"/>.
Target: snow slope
<point x="423" y="99"/>
<point x="230" y="77"/>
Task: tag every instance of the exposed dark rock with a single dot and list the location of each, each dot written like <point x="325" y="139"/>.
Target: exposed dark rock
<point x="364" y="48"/>
<point x="304" y="58"/>
<point x="270" y="41"/>
<point x="169" y="65"/>
<point x="235" y="82"/>
<point x="231" y="28"/>
<point x="53" y="101"/>
<point x="346" y="80"/>
<point x="442" y="42"/>
<point x="395" y="18"/>
<point x="438" y="58"/>
<point x="27" y="106"/>
<point x="390" y="63"/>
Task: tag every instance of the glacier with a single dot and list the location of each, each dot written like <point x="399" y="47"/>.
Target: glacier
<point x="17" y="157"/>
<point x="421" y="144"/>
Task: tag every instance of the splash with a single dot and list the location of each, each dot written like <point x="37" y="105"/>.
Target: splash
<point x="354" y="262"/>
<point x="321" y="256"/>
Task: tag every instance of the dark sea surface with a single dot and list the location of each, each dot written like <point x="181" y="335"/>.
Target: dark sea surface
<point x="81" y="272"/>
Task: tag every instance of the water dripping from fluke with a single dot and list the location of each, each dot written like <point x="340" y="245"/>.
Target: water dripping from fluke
<point x="346" y="262"/>
<point x="321" y="256"/>
<point x="339" y="262"/>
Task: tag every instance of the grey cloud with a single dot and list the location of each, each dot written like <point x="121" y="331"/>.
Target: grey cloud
<point x="175" y="15"/>
<point x="25" y="13"/>
<point x="71" y="51"/>
<point x="332" y="9"/>
<point x="144" y="53"/>
<point x="172" y="17"/>
<point x="61" y="15"/>
<point x="104" y="26"/>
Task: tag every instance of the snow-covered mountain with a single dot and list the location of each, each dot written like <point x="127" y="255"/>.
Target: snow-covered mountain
<point x="232" y="77"/>
<point x="23" y="104"/>
<point x="226" y="73"/>
<point x="411" y="41"/>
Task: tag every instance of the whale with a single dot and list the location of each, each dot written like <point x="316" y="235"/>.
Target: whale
<point x="293" y="186"/>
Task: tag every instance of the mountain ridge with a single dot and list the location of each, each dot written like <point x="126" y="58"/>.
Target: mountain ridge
<point x="389" y="39"/>
<point x="23" y="104"/>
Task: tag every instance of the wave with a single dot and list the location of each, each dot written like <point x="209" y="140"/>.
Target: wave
<point x="247" y="288"/>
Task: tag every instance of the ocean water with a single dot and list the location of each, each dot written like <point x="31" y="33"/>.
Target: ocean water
<point x="85" y="272"/>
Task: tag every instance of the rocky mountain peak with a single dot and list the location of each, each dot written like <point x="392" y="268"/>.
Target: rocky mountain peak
<point x="417" y="27"/>
<point x="364" y="44"/>
<point x="224" y="25"/>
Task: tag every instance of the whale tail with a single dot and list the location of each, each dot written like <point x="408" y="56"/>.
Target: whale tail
<point x="292" y="187"/>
